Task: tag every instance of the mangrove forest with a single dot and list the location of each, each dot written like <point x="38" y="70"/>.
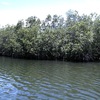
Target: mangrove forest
<point x="74" y="38"/>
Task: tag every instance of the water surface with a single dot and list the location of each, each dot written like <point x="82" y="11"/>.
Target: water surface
<point x="48" y="80"/>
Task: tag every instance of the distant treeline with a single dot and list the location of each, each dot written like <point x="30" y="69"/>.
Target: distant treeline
<point x="74" y="38"/>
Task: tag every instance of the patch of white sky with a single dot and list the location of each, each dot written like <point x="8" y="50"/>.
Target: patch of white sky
<point x="13" y="10"/>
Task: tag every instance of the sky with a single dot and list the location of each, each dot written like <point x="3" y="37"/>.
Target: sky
<point x="11" y="11"/>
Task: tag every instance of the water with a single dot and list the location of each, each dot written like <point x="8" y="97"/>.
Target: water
<point x="48" y="80"/>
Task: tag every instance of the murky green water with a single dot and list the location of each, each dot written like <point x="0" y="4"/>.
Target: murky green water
<point x="48" y="80"/>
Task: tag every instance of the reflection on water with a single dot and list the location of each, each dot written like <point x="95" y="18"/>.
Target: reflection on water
<point x="48" y="80"/>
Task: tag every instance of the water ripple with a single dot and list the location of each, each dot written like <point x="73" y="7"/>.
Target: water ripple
<point x="48" y="80"/>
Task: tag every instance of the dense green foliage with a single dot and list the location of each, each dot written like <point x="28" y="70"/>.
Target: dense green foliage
<point x="76" y="38"/>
